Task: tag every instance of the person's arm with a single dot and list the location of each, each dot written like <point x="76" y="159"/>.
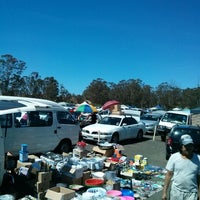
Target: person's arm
<point x="168" y="177"/>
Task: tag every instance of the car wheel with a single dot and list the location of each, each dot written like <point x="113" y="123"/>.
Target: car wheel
<point x="163" y="138"/>
<point x="140" y="135"/>
<point x="64" y="147"/>
<point x="115" y="138"/>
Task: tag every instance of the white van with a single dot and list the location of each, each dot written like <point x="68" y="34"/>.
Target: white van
<point x="171" y="118"/>
<point x="2" y="158"/>
<point x="41" y="124"/>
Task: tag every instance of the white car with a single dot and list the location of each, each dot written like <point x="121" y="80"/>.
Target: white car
<point x="114" y="128"/>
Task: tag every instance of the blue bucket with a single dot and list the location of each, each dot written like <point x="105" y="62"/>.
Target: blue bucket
<point x="24" y="147"/>
<point x="23" y="156"/>
<point x="127" y="192"/>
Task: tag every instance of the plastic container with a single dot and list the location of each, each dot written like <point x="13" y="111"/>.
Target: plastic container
<point x="114" y="193"/>
<point x="98" y="175"/>
<point x="94" y="182"/>
<point x="128" y="198"/>
<point x="97" y="191"/>
<point x="23" y="156"/>
<point x="24" y="147"/>
<point x="127" y="192"/>
<point x="110" y="175"/>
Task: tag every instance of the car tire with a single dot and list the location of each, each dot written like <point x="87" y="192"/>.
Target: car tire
<point x="64" y="147"/>
<point x="115" y="138"/>
<point x="140" y="135"/>
<point x="163" y="138"/>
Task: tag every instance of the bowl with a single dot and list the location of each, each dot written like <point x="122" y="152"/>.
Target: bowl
<point x="127" y="192"/>
<point x="128" y="198"/>
<point x="94" y="182"/>
<point x="114" y="193"/>
<point x="97" y="191"/>
<point x="98" y="175"/>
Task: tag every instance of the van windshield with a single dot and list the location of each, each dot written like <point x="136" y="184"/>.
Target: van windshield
<point x="175" y="118"/>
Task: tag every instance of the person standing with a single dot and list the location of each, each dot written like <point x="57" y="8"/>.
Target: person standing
<point x="183" y="172"/>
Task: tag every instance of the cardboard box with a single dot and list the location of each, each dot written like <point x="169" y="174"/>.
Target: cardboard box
<point x="42" y="186"/>
<point x="32" y="158"/>
<point x="23" y="164"/>
<point x="68" y="180"/>
<point x="44" y="176"/>
<point x="60" y="193"/>
<point x="107" y="152"/>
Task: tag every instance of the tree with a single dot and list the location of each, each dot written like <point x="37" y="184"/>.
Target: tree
<point x="97" y="92"/>
<point x="64" y="95"/>
<point x="10" y="74"/>
<point x="50" y="88"/>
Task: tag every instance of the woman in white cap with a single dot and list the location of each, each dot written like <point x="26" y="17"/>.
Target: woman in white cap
<point x="183" y="169"/>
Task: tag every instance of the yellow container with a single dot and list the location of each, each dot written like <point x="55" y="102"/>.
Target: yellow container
<point x="138" y="158"/>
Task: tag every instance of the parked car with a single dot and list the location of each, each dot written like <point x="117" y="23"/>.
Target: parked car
<point x="173" y="138"/>
<point x="114" y="128"/>
<point x="101" y="114"/>
<point x="170" y="119"/>
<point x="150" y="120"/>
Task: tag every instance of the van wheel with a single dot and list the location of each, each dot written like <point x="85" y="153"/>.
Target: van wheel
<point x="64" y="147"/>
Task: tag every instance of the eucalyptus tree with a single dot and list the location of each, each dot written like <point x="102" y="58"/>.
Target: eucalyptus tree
<point x="97" y="92"/>
<point x="11" y="70"/>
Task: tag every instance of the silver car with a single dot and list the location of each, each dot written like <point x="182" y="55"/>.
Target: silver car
<point x="150" y="120"/>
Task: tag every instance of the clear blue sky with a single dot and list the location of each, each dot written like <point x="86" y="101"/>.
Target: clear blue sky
<point x="77" y="41"/>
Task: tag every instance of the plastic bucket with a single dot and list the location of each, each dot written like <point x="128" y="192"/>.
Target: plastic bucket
<point x="23" y="156"/>
<point x="127" y="192"/>
<point x="24" y="147"/>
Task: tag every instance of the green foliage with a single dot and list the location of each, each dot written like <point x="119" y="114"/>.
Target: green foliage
<point x="130" y="92"/>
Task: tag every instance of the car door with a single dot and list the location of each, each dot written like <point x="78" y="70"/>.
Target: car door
<point x="126" y="129"/>
<point x="67" y="126"/>
<point x="133" y="127"/>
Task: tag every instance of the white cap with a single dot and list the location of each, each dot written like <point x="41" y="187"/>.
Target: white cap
<point x="186" y="139"/>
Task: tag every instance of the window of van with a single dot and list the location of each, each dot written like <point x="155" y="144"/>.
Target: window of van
<point x="6" y="121"/>
<point x="65" y="118"/>
<point x="33" y="119"/>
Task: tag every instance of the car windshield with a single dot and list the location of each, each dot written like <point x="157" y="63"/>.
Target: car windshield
<point x="175" y="118"/>
<point x="110" y="121"/>
<point x="149" y="117"/>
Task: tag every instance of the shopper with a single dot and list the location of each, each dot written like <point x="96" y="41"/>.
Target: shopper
<point x="183" y="169"/>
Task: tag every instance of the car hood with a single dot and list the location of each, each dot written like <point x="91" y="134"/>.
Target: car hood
<point x="100" y="127"/>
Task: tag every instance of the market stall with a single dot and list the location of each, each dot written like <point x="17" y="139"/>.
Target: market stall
<point x="103" y="172"/>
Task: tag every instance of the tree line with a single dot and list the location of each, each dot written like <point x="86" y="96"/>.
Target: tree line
<point x="132" y="92"/>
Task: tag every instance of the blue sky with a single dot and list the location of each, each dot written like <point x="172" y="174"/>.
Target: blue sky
<point x="77" y="41"/>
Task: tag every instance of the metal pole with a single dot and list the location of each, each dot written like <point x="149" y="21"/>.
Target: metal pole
<point x="154" y="133"/>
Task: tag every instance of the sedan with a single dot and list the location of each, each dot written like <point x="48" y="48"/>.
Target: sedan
<point x="151" y="121"/>
<point x="114" y="128"/>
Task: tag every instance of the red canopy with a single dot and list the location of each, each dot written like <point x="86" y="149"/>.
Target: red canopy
<point x="109" y="104"/>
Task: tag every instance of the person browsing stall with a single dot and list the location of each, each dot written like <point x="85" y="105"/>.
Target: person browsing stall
<point x="183" y="172"/>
